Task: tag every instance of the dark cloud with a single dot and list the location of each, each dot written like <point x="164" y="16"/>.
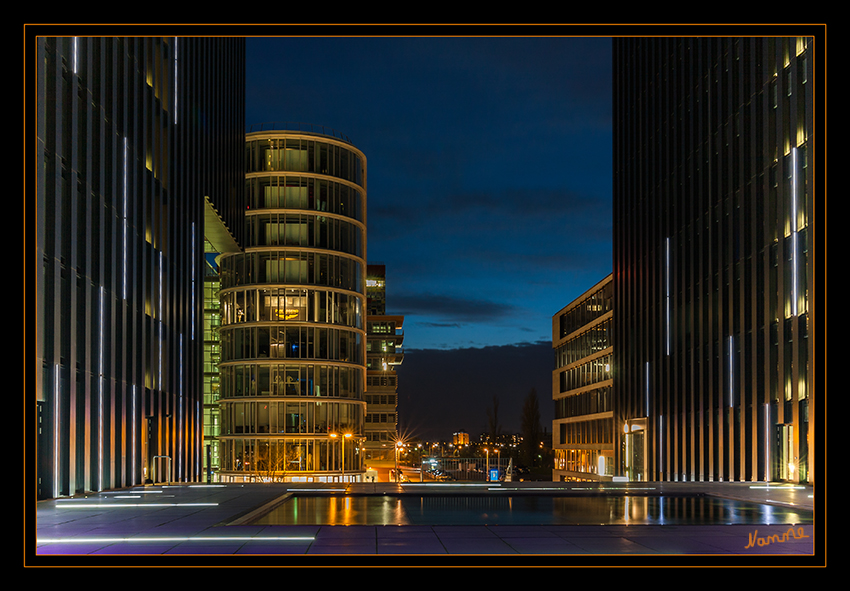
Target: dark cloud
<point x="443" y="391"/>
<point x="448" y="307"/>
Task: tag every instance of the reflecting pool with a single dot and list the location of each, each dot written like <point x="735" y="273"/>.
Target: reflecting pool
<point x="525" y="510"/>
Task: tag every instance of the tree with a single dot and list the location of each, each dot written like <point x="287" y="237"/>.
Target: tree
<point x="531" y="430"/>
<point x="271" y="462"/>
<point x="493" y="426"/>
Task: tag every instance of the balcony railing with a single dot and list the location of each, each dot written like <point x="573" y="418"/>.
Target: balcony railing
<point x="301" y="127"/>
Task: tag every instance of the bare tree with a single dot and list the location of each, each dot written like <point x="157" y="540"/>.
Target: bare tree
<point x="271" y="462"/>
<point x="531" y="430"/>
<point x="493" y="425"/>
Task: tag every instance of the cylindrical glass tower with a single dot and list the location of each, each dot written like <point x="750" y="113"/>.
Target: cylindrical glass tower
<point x="293" y="302"/>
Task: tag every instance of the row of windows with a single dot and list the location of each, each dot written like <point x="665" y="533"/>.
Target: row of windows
<point x="389" y="327"/>
<point x="279" y="456"/>
<point x="292" y="266"/>
<point x="382" y="436"/>
<point x="291" y="342"/>
<point x="586" y="403"/>
<point x="304" y="155"/>
<point x="291" y="305"/>
<point x="307" y="231"/>
<point x="382" y="380"/>
<point x="381" y="346"/>
<point x="381" y="399"/>
<point x="291" y="380"/>
<point x="593" y="340"/>
<point x="588" y="310"/>
<point x="593" y="371"/>
<point x="589" y="461"/>
<point x="596" y="432"/>
<point x="381" y="417"/>
<point x="289" y="416"/>
<point x="307" y="193"/>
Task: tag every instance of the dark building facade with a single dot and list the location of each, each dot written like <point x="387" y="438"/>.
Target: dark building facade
<point x="136" y="138"/>
<point x="713" y="258"/>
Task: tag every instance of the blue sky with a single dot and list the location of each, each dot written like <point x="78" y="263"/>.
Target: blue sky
<point x="489" y="195"/>
<point x="489" y="168"/>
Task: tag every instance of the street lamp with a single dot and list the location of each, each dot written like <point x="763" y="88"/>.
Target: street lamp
<point x="344" y="437"/>
<point x="398" y="446"/>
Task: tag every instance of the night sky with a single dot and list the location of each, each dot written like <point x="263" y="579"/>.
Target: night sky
<point x="489" y="197"/>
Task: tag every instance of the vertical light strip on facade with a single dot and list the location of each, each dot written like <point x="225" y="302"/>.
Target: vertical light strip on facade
<point x="175" y="81"/>
<point x="74" y="58"/>
<point x="159" y="318"/>
<point x="192" y="271"/>
<point x="794" y="231"/>
<point x="667" y="289"/>
<point x="180" y="411"/>
<point x="647" y="388"/>
<point x="197" y="424"/>
<point x="731" y="377"/>
<point x="56" y="422"/>
<point x="100" y="396"/>
<point x="124" y="265"/>
<point x="767" y="441"/>
<point x="133" y="437"/>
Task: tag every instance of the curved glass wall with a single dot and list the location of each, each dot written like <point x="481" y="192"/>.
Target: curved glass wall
<point x="293" y="348"/>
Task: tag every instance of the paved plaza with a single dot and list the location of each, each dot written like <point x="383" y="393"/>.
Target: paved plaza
<point x="183" y="523"/>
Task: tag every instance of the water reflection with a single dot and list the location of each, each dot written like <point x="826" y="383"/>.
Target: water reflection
<point x="337" y="510"/>
<point x="525" y="510"/>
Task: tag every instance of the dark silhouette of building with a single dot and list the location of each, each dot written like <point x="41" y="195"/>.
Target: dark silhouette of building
<point x="137" y="140"/>
<point x="713" y="252"/>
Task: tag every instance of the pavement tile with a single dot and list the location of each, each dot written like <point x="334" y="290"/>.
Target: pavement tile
<point x="224" y="505"/>
<point x="411" y="546"/>
<point x="609" y="545"/>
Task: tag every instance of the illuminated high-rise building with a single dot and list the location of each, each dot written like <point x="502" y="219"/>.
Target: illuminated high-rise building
<point x="136" y="139"/>
<point x="384" y="353"/>
<point x="293" y="308"/>
<point x="713" y="258"/>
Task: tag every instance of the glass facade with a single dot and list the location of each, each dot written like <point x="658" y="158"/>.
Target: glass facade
<point x="292" y="337"/>
<point x="582" y="386"/>
<point x="212" y="356"/>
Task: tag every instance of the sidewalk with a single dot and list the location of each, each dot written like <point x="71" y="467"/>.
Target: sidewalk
<point x="196" y="521"/>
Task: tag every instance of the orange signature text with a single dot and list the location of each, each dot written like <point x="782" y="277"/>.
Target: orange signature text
<point x="755" y="540"/>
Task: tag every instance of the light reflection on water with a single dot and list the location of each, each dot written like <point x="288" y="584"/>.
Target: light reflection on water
<point x="525" y="510"/>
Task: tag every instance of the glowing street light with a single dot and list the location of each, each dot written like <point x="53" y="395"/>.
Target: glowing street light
<point x="398" y="446"/>
<point x="344" y="437"/>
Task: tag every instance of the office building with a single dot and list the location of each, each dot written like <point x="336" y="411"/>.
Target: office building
<point x="713" y="259"/>
<point x="136" y="138"/>
<point x="211" y="358"/>
<point x="582" y="387"/>
<point x="293" y="308"/>
<point x="384" y="353"/>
